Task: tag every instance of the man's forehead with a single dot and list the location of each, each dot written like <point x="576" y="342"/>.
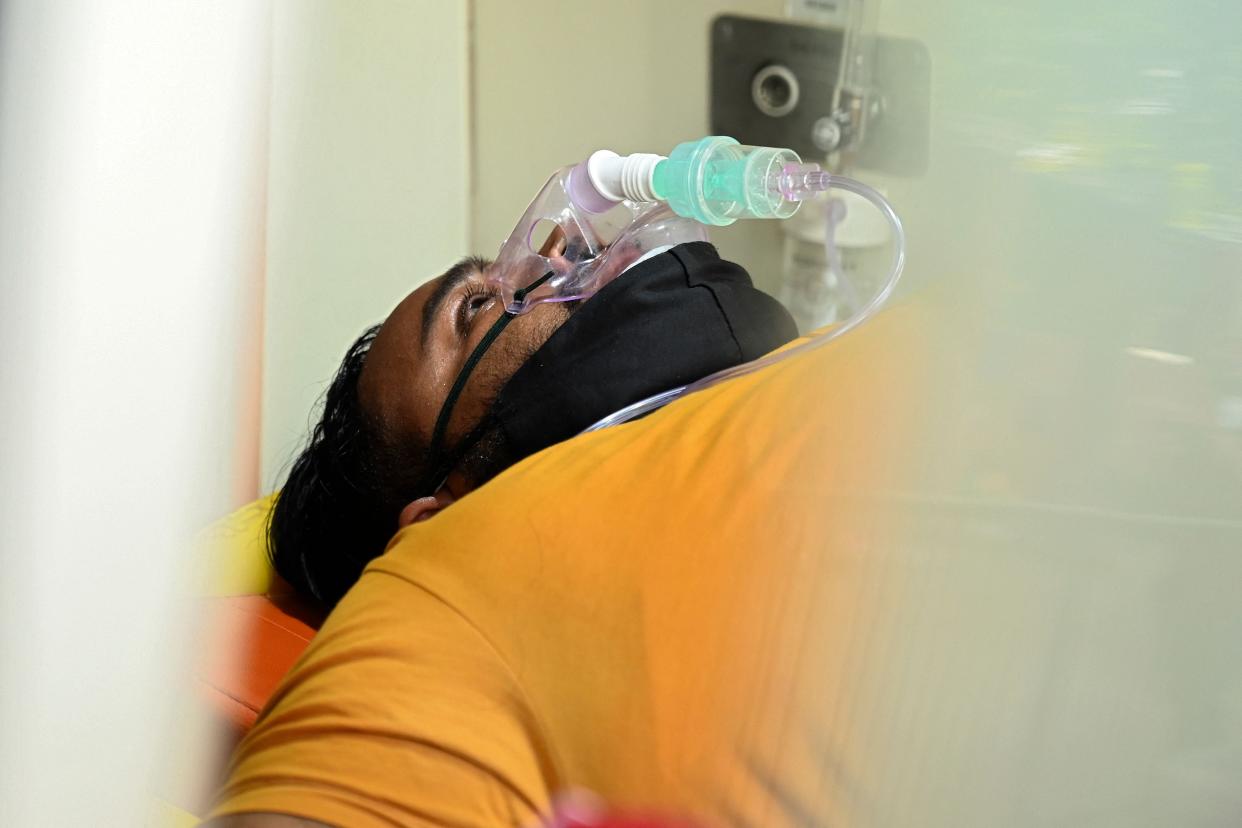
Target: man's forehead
<point x="396" y="349"/>
<point x="404" y="341"/>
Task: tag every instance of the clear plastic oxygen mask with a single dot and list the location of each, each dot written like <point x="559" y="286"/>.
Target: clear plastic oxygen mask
<point x="614" y="210"/>
<point x="596" y="246"/>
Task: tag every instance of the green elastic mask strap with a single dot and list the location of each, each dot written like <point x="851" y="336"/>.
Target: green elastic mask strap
<point x="463" y="376"/>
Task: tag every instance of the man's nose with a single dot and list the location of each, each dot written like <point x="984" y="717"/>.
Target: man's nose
<point x="554" y="245"/>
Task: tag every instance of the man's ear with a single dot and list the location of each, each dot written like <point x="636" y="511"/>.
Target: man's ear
<point x="424" y="508"/>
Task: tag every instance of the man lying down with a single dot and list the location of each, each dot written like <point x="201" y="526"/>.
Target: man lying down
<point x="620" y="613"/>
<point x="556" y="370"/>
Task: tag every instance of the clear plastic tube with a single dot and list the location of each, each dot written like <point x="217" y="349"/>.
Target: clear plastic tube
<point x="860" y="316"/>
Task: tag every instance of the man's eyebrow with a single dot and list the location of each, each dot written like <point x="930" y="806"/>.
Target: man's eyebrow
<point x="452" y="277"/>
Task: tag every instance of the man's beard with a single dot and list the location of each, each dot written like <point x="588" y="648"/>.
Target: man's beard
<point x="488" y="457"/>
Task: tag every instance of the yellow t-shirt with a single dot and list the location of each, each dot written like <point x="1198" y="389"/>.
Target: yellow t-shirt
<point x="662" y="613"/>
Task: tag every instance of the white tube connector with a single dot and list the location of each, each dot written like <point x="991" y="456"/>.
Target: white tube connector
<point x="623" y="177"/>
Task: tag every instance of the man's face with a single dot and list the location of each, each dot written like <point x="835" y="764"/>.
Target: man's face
<point x="421" y="347"/>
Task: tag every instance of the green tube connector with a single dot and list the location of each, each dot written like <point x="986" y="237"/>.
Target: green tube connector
<point x="716" y="180"/>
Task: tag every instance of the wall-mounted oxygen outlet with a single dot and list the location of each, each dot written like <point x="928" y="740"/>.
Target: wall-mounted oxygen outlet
<point x="772" y="82"/>
<point x="780" y="84"/>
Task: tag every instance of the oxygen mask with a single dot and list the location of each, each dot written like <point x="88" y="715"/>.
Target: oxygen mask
<point x="577" y="250"/>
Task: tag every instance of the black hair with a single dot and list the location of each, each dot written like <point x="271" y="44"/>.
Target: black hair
<point x="338" y="508"/>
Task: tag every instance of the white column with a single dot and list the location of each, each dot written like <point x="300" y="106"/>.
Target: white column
<point x="131" y="202"/>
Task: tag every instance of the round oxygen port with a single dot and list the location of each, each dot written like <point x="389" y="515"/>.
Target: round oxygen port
<point x="775" y="90"/>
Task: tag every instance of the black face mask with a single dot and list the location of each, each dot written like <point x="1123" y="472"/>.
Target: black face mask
<point x="666" y="322"/>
